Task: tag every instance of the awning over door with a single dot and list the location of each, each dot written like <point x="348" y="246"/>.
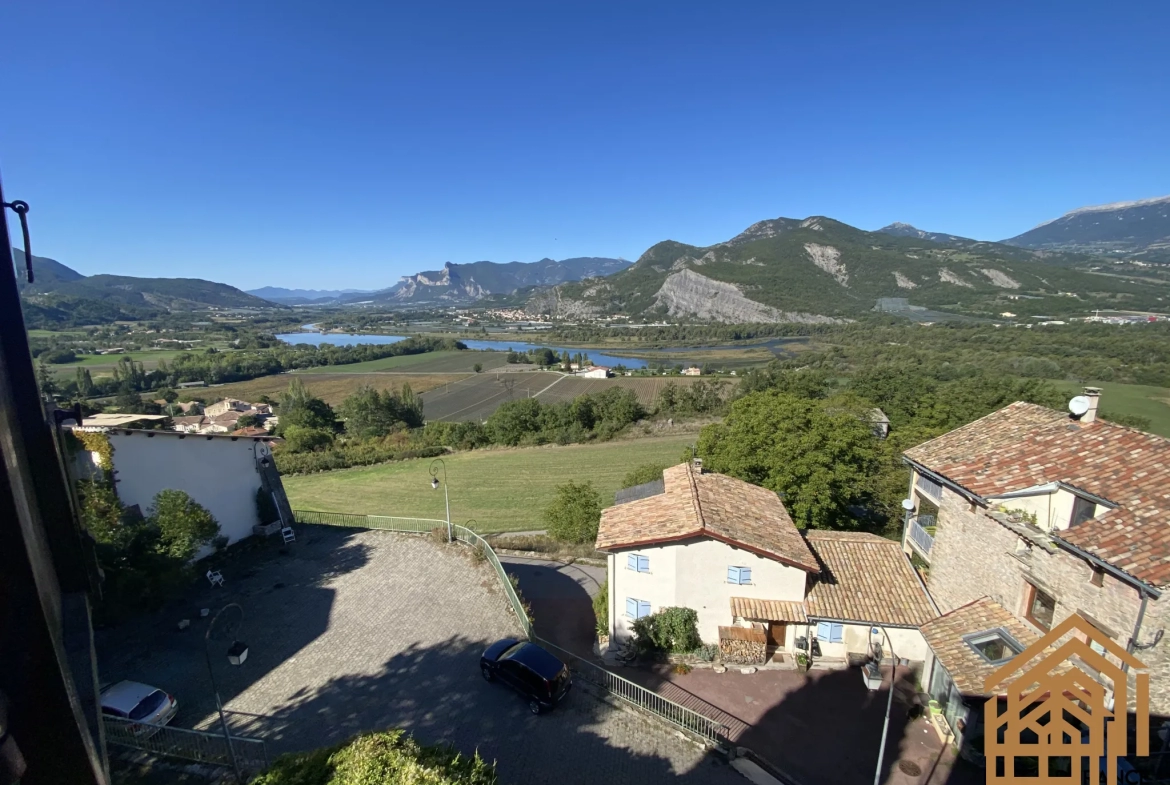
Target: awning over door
<point x="767" y="610"/>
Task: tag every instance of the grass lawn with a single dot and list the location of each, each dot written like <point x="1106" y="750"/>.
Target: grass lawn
<point x="1139" y="399"/>
<point x="503" y="490"/>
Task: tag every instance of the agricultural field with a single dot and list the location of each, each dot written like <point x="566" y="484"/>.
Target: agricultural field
<point x="429" y="362"/>
<point x="332" y="388"/>
<point x="1136" y="399"/>
<point x="647" y="387"/>
<point x="103" y="364"/>
<point x="501" y="490"/>
<point x="475" y="397"/>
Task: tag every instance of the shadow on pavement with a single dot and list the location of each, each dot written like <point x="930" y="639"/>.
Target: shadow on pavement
<point x="562" y="606"/>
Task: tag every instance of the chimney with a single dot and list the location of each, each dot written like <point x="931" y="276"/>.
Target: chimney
<point x="697" y="465"/>
<point x="1094" y="396"/>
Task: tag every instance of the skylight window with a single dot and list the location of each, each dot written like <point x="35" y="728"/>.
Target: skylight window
<point x="994" y="646"/>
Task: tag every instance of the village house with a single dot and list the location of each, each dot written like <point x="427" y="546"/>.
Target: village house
<point x="729" y="550"/>
<point x="693" y="370"/>
<point x="594" y="372"/>
<point x="1025" y="517"/>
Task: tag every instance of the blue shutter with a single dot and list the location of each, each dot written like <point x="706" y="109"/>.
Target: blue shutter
<point x="745" y="574"/>
<point x="836" y="633"/>
<point x="632" y="562"/>
<point x="733" y="574"/>
<point x="632" y="608"/>
<point x="643" y="564"/>
<point x="643" y="609"/>
<point x="823" y="628"/>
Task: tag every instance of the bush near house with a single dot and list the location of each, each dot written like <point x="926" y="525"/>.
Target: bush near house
<point x="575" y="513"/>
<point x="670" y="630"/>
<point x="386" y="758"/>
<point x="601" y="609"/>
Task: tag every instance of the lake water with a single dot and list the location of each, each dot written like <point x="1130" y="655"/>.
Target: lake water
<point x="341" y="339"/>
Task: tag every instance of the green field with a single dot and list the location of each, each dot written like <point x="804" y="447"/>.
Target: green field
<point x="428" y="362"/>
<point x="100" y="364"/>
<point x="503" y="490"/>
<point x="1138" y="399"/>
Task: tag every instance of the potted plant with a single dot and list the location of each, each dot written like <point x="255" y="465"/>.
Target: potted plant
<point x="802" y="662"/>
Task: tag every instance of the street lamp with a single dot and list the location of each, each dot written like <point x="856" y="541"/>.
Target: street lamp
<point x="237" y="653"/>
<point x="435" y="485"/>
<point x="877" y="774"/>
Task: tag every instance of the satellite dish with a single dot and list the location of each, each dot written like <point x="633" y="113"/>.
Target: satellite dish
<point x="1079" y="405"/>
<point x="907" y="505"/>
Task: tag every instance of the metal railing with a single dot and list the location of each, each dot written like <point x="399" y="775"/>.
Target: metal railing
<point x="646" y="699"/>
<point x="676" y="714"/>
<point x="196" y="745"/>
<point x="422" y="526"/>
<point x="918" y="535"/>
<point x="387" y="522"/>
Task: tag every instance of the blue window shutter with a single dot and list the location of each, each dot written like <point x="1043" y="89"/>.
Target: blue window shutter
<point x="643" y="564"/>
<point x="823" y="628"/>
<point x="733" y="574"/>
<point x="745" y="574"/>
<point x="632" y="608"/>
<point x="836" y="633"/>
<point x="643" y="608"/>
<point x="632" y="562"/>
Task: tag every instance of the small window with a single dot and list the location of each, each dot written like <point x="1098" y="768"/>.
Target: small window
<point x="1041" y="607"/>
<point x="636" y="609"/>
<point x="741" y="576"/>
<point x="638" y="563"/>
<point x="830" y="632"/>
<point x="1097" y="576"/>
<point x="1083" y="510"/>
<point x="995" y="646"/>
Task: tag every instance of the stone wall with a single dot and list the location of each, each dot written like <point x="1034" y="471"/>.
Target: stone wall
<point x="975" y="556"/>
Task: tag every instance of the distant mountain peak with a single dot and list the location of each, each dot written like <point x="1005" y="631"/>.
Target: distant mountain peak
<point x="1109" y="208"/>
<point x="1139" y="228"/>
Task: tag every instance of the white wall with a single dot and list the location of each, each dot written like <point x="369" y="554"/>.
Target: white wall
<point x="906" y="643"/>
<point x="219" y="473"/>
<point x="693" y="574"/>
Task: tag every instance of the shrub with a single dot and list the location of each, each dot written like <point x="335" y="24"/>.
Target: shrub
<point x="601" y="609"/>
<point x="184" y="525"/>
<point x="300" y="438"/>
<point x="575" y="513"/>
<point x="681" y="669"/>
<point x="707" y="652"/>
<point x="672" y="630"/>
<point x="383" y="758"/>
<point x="439" y="535"/>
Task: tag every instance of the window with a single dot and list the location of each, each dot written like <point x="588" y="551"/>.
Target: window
<point x="995" y="646"/>
<point x="740" y="576"/>
<point x="830" y="632"/>
<point x="929" y="487"/>
<point x="638" y="563"/>
<point x="1040" y="607"/>
<point x="1083" y="510"/>
<point x="636" y="609"/>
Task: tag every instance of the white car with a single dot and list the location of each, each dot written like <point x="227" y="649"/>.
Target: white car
<point x="140" y="703"/>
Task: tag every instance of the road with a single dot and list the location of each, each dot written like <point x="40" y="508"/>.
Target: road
<point x="561" y="596"/>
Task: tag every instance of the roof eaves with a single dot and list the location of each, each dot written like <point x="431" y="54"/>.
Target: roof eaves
<point x="946" y="481"/>
<point x="1113" y="570"/>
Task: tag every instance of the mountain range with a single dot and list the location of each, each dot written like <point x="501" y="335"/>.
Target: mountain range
<point x="59" y="295"/>
<point x="1139" y="229"/>
<point x="819" y="270"/>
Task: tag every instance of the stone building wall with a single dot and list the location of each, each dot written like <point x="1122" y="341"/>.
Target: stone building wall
<point x="975" y="556"/>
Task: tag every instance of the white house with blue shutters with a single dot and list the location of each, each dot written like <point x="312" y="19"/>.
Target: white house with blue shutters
<point x="729" y="551"/>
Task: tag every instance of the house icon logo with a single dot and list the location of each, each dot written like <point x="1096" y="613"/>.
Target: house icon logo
<point x="1066" y="709"/>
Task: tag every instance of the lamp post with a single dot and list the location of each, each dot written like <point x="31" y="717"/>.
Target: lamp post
<point x="435" y="484"/>
<point x="877" y="774"/>
<point x="237" y="653"/>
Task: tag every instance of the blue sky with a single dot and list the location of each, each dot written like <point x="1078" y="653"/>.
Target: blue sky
<point x="343" y="144"/>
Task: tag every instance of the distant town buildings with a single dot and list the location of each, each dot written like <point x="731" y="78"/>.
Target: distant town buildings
<point x="694" y="370"/>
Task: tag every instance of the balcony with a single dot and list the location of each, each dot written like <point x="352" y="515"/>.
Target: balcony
<point x="920" y="533"/>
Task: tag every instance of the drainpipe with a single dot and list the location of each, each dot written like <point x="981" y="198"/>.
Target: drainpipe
<point x="1137" y="628"/>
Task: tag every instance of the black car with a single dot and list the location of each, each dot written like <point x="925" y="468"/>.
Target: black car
<point x="540" y="677"/>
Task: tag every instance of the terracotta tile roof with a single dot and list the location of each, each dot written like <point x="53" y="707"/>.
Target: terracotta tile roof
<point x="1024" y="445"/>
<point x="707" y="505"/>
<point x="865" y="578"/>
<point x="251" y="430"/>
<point x="945" y="634"/>
<point x="770" y="610"/>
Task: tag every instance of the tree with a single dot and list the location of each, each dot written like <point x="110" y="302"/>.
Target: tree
<point x="184" y="525"/>
<point x="299" y="407"/>
<point x="128" y="401"/>
<point x="821" y="456"/>
<point x="477" y="367"/>
<point x="248" y="421"/>
<point x="574" y="514"/>
<point x="84" y="383"/>
<point x="101" y="513"/>
<point x="640" y="475"/>
<point x="169" y="395"/>
<point x="514" y="420"/>
<point x="46" y="382"/>
<point x="300" y="438"/>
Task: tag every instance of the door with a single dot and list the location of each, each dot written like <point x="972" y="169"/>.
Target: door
<point x="777" y="634"/>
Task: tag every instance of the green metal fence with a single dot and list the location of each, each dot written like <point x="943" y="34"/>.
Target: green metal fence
<point x="634" y="694"/>
<point x="200" y="746"/>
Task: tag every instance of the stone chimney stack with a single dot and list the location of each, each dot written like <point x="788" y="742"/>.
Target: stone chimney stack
<point x="1094" y="396"/>
<point x="697" y="465"/>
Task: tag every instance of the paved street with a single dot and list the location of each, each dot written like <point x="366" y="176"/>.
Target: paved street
<point x="353" y="631"/>
<point x="561" y="598"/>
